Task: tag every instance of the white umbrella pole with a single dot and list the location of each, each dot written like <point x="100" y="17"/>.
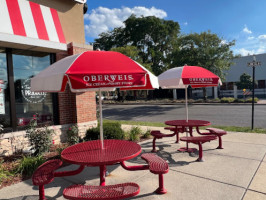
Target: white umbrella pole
<point x="101" y="117"/>
<point x="186" y="102"/>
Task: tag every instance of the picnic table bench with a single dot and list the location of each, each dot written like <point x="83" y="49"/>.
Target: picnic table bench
<point x="199" y="140"/>
<point x="118" y="191"/>
<point x="156" y="165"/>
<point x="158" y="135"/>
<point x="215" y="131"/>
<point x="45" y="174"/>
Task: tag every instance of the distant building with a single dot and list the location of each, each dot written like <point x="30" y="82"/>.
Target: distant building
<point x="237" y="69"/>
<point x="229" y="88"/>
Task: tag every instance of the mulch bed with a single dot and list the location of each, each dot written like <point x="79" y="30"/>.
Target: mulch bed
<point x="9" y="163"/>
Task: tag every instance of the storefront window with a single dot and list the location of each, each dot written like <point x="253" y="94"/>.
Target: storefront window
<point x="30" y="103"/>
<point x="4" y="92"/>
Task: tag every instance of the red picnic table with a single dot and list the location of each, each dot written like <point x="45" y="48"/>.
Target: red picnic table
<point x="190" y="124"/>
<point x="90" y="154"/>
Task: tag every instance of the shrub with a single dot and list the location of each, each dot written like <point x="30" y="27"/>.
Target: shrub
<point x="39" y="137"/>
<point x="216" y="100"/>
<point x="111" y="130"/>
<point x="73" y="135"/>
<point x="249" y="100"/>
<point x="239" y="100"/>
<point x="134" y="133"/>
<point x="227" y="100"/>
<point x="60" y="148"/>
<point x="92" y="134"/>
<point x="199" y="101"/>
<point x="147" y="134"/>
<point x="28" y="165"/>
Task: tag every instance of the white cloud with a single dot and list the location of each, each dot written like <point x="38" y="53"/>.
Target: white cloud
<point x="244" y="52"/>
<point x="246" y="30"/>
<point x="261" y="49"/>
<point x="262" y="38"/>
<point x="104" y="19"/>
<point x="224" y="42"/>
<point x="251" y="38"/>
<point x="185" y="23"/>
<point x="251" y="51"/>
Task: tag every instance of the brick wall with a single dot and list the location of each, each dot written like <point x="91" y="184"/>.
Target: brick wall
<point x="76" y="107"/>
<point x="85" y="107"/>
<point x="67" y="107"/>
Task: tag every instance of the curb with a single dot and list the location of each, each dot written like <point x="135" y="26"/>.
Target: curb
<point x="149" y="103"/>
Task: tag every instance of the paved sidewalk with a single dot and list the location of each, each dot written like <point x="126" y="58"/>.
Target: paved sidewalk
<point x="234" y="173"/>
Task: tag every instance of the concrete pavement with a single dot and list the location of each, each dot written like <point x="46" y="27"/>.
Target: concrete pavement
<point x="237" y="172"/>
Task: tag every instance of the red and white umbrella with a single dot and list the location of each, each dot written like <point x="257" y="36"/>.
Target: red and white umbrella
<point x="182" y="77"/>
<point x="94" y="71"/>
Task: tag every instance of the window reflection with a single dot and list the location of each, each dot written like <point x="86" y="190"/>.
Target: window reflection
<point x="30" y="103"/>
<point x="4" y="92"/>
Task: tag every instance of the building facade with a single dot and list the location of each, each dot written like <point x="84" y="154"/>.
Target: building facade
<point x="33" y="35"/>
<point x="239" y="67"/>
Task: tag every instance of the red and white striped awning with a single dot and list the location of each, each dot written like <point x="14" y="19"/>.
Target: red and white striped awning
<point x="28" y="23"/>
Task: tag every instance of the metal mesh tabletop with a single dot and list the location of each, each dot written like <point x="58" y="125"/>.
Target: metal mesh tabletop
<point x="90" y="153"/>
<point x="189" y="123"/>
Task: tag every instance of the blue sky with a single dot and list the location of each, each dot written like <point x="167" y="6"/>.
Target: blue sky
<point x="243" y="21"/>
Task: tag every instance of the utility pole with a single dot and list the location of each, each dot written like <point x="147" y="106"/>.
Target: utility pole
<point x="253" y="64"/>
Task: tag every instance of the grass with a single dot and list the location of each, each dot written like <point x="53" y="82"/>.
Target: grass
<point x="157" y="124"/>
<point x="226" y="128"/>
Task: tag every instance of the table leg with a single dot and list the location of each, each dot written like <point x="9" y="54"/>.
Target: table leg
<point x="200" y="159"/>
<point x="177" y="135"/>
<point x="187" y="149"/>
<point x="102" y="175"/>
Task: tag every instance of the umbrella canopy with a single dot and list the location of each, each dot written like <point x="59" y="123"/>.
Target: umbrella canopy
<point x="94" y="71"/>
<point x="182" y="77"/>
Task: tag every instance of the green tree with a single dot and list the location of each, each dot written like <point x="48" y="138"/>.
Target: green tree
<point x="154" y="38"/>
<point x="204" y="49"/>
<point x="133" y="53"/>
<point x="111" y="39"/>
<point x="245" y="82"/>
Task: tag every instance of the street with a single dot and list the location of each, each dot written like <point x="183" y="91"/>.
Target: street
<point x="220" y="114"/>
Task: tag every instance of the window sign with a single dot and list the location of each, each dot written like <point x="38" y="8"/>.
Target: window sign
<point x="29" y="96"/>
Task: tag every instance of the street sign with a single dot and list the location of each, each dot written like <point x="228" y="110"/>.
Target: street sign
<point x="254" y="63"/>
